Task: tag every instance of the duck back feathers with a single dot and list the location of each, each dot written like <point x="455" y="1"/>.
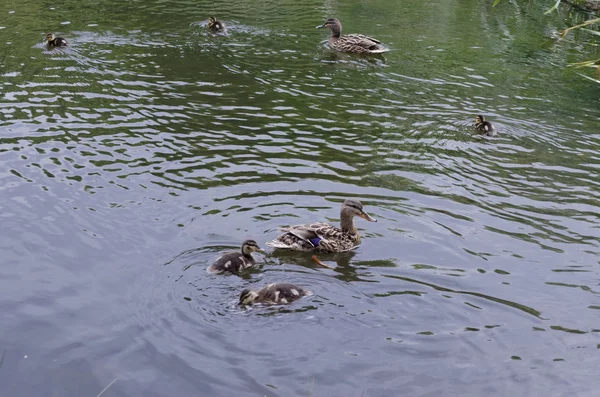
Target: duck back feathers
<point x="273" y="294"/>
<point x="357" y="43"/>
<point x="232" y="262"/>
<point x="319" y="237"/>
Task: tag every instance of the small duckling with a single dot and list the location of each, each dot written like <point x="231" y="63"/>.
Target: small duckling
<point x="273" y="294"/>
<point x="52" y="41"/>
<point x="484" y="127"/>
<point x="215" y="25"/>
<point x="234" y="262"/>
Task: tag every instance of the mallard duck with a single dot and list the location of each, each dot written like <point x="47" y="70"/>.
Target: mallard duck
<point x="273" y="294"/>
<point x="484" y="127"/>
<point x="52" y="41"/>
<point x="356" y="43"/>
<point x="323" y="237"/>
<point x="234" y="262"/>
<point x="215" y="25"/>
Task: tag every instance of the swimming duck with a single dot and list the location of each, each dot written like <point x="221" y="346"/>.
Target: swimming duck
<point x="215" y="25"/>
<point x="356" y="43"/>
<point x="273" y="294"/>
<point x="234" y="262"/>
<point x="52" y="41"/>
<point x="323" y="237"/>
<point x="484" y="127"/>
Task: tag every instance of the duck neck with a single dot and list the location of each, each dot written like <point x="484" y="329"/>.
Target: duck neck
<point x="347" y="224"/>
<point x="247" y="254"/>
<point x="336" y="31"/>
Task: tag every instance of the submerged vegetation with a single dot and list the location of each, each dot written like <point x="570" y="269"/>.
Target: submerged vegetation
<point x="595" y="64"/>
<point x="588" y="6"/>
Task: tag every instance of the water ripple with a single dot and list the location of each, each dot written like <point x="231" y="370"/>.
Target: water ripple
<point x="135" y="156"/>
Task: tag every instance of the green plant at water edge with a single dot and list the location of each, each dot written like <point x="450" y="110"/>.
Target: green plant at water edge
<point x="593" y="64"/>
<point x="590" y="64"/>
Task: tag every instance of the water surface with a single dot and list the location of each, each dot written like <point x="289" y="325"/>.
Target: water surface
<point x="132" y="158"/>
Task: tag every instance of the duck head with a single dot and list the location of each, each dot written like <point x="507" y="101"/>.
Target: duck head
<point x="352" y="208"/>
<point x="247" y="297"/>
<point x="334" y="25"/>
<point x="250" y="246"/>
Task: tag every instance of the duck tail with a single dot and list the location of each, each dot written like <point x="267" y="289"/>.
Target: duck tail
<point x="379" y="50"/>
<point x="277" y="244"/>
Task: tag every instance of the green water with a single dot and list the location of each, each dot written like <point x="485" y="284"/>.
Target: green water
<point x="132" y="158"/>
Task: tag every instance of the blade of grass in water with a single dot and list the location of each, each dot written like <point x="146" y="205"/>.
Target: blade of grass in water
<point x="585" y="63"/>
<point x="554" y="7"/>
<point x="106" y="388"/>
<point x="589" y="78"/>
<point x="586" y="23"/>
<point x="2" y="358"/>
<point x="591" y="31"/>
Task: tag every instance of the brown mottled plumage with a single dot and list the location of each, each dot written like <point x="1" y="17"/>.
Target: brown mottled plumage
<point x="356" y="43"/>
<point x="323" y="237"/>
<point x="273" y="294"/>
<point x="234" y="262"/>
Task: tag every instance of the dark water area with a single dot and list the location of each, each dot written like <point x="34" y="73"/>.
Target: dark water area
<point x="131" y="159"/>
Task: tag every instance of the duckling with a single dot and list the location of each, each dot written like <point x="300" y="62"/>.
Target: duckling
<point x="273" y="294"/>
<point x="323" y="237"/>
<point x="356" y="43"/>
<point x="215" y="25"/>
<point x="52" y="41"/>
<point x="234" y="262"/>
<point x="484" y="127"/>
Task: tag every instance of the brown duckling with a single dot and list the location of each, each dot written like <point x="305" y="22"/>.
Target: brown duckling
<point x="484" y="127"/>
<point x="234" y="262"/>
<point x="215" y="25"/>
<point x="355" y="43"/>
<point x="52" y="41"/>
<point x="273" y="294"/>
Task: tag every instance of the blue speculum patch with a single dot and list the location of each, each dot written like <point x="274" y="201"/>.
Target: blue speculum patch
<point x="315" y="241"/>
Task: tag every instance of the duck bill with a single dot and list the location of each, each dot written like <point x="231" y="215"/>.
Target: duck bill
<point x="368" y="217"/>
<point x="262" y="251"/>
<point x="321" y="26"/>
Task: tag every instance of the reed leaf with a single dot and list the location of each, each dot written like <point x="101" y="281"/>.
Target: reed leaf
<point x="106" y="388"/>
<point x="554" y="7"/>
<point x="585" y="63"/>
<point x="589" y="78"/>
<point x="591" y="31"/>
<point x="586" y="23"/>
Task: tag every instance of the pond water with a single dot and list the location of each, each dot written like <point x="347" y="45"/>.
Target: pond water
<point x="132" y="158"/>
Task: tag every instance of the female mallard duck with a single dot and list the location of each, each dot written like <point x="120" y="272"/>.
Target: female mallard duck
<point x="215" y="25"/>
<point x="323" y="237"/>
<point x="273" y="294"/>
<point x="484" y="127"/>
<point x="234" y="262"/>
<point x="356" y="43"/>
<point x="52" y="41"/>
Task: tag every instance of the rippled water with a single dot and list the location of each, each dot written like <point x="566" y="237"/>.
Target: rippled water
<point x="132" y="158"/>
